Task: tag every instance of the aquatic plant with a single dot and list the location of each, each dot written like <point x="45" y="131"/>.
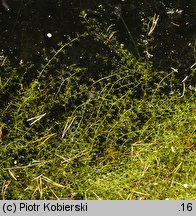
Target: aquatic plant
<point x="98" y="124"/>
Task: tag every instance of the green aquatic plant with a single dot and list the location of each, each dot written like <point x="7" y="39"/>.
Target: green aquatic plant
<point x="109" y="129"/>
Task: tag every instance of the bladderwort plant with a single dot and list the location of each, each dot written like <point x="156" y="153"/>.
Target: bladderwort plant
<point x="101" y="124"/>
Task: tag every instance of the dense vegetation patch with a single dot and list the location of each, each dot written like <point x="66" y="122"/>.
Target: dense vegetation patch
<point x="95" y="124"/>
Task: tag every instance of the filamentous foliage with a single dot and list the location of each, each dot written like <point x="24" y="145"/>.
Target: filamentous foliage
<point x="96" y="124"/>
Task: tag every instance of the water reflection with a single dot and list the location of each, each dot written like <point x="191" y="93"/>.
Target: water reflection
<point x="5" y="5"/>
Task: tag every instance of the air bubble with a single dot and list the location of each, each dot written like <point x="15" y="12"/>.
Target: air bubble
<point x="49" y="35"/>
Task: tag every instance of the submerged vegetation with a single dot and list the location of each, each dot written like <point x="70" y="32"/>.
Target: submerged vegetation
<point x="96" y="124"/>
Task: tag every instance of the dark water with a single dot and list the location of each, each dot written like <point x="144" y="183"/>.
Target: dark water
<point x="28" y="26"/>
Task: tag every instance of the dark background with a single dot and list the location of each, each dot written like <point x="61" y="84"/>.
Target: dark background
<point x="25" y="26"/>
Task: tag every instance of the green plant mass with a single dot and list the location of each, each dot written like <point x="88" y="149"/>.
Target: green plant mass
<point x="96" y="122"/>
